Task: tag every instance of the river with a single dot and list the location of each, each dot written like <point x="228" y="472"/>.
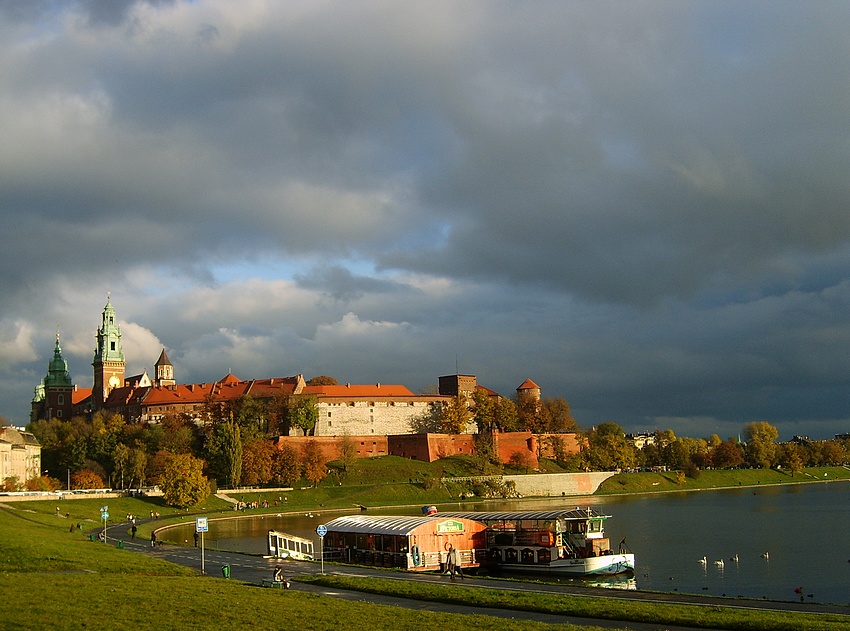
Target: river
<point x="804" y="529"/>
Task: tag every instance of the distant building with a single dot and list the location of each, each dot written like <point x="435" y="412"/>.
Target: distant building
<point x="20" y="455"/>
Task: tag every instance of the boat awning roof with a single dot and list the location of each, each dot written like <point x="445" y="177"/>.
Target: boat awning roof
<point x="381" y="524"/>
<point x="551" y="515"/>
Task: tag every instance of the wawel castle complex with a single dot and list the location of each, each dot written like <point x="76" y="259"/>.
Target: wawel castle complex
<point x="383" y="418"/>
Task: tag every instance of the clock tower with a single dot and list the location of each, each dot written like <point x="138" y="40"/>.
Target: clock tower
<point x="108" y="360"/>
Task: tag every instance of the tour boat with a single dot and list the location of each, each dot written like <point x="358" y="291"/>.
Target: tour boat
<point x="561" y="541"/>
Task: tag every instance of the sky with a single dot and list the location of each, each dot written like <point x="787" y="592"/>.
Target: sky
<point x="642" y="206"/>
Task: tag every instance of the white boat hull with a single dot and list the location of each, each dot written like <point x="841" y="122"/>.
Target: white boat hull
<point x="591" y="566"/>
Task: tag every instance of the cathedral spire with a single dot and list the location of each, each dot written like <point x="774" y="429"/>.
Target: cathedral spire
<point x="108" y="362"/>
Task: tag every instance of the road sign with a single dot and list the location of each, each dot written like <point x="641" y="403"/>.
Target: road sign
<point x="321" y="530"/>
<point x="201" y="525"/>
<point x="104" y="515"/>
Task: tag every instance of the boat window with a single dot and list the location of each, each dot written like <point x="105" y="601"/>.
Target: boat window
<point x="594" y="525"/>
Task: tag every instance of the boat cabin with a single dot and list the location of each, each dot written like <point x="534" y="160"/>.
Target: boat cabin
<point x="412" y="543"/>
<point x="541" y="537"/>
<point x="284" y="546"/>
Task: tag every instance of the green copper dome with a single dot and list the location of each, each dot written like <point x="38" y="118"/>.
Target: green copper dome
<point x="57" y="371"/>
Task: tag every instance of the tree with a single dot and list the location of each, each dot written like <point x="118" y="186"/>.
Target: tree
<point x="223" y="450"/>
<point x="181" y="434"/>
<point x="322" y="380"/>
<point x="454" y="415"/>
<point x="347" y="452"/>
<point x="286" y="466"/>
<point x="607" y="449"/>
<point x="315" y="465"/>
<point x="556" y="416"/>
<point x="86" y="479"/>
<point x="791" y="457"/>
<point x="183" y="482"/>
<point x="482" y="410"/>
<point x="727" y="455"/>
<point x="761" y="438"/>
<point x="301" y="411"/>
<point x="257" y="460"/>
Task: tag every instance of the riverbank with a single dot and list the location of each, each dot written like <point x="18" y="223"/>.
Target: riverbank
<point x="657" y="482"/>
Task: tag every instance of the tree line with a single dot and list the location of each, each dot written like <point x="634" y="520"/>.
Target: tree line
<point x="230" y="444"/>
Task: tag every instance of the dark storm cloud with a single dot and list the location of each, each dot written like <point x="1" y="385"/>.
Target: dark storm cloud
<point x="641" y="206"/>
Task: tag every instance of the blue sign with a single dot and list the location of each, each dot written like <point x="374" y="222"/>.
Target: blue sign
<point x="104" y="515"/>
<point x="201" y="524"/>
<point x="321" y="530"/>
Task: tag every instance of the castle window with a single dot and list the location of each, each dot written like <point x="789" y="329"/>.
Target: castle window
<point x="61" y="399"/>
<point x="112" y="346"/>
<point x="58" y="413"/>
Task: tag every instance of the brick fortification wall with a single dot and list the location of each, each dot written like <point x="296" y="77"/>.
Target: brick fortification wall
<point x="331" y="446"/>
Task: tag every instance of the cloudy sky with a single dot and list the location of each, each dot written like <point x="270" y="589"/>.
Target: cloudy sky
<point x="642" y="206"/>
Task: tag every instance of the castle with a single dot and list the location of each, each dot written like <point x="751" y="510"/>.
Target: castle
<point x="355" y="410"/>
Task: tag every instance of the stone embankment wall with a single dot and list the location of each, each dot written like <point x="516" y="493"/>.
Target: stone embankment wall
<point x="558" y="484"/>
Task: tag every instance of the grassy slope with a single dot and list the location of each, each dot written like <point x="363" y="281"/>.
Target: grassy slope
<point x="656" y="482"/>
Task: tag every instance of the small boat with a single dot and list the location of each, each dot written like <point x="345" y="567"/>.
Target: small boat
<point x="284" y="546"/>
<point x="569" y="542"/>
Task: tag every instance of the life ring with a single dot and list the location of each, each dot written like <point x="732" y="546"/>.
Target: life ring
<point x="447" y="546"/>
<point x="546" y="539"/>
<point x="414" y="552"/>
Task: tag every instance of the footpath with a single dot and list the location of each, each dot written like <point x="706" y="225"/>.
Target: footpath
<point x="252" y="570"/>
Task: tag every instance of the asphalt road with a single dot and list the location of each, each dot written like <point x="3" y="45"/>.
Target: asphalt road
<point x="253" y="569"/>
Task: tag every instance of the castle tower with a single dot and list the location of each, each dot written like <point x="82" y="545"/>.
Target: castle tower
<point x="528" y="391"/>
<point x="108" y="360"/>
<point x="52" y="397"/>
<point x="164" y="371"/>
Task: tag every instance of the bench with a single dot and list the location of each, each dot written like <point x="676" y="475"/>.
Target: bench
<point x="268" y="582"/>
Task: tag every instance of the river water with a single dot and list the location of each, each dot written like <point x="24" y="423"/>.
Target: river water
<point x="804" y="529"/>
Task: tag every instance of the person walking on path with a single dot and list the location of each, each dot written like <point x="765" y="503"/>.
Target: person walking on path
<point x="454" y="562"/>
<point x="153" y="539"/>
<point x="133" y="530"/>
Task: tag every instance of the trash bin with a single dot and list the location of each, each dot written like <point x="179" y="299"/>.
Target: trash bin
<point x="91" y="537"/>
<point x="120" y="544"/>
<point x="225" y="571"/>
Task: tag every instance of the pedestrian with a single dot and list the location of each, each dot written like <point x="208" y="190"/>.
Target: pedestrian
<point x="133" y="531"/>
<point x="447" y="566"/>
<point x="153" y="539"/>
<point x="455" y="562"/>
<point x="196" y="537"/>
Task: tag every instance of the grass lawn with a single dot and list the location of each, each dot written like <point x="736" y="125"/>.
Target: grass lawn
<point x="709" y="617"/>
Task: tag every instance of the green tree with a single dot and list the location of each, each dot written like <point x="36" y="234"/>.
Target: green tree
<point x="223" y="450"/>
<point x="607" y="449"/>
<point x="301" y="411"/>
<point x="183" y="482"/>
<point x="322" y="380"/>
<point x="761" y="437"/>
<point x="483" y="406"/>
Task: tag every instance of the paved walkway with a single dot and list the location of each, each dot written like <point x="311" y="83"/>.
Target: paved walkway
<point x="253" y="569"/>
